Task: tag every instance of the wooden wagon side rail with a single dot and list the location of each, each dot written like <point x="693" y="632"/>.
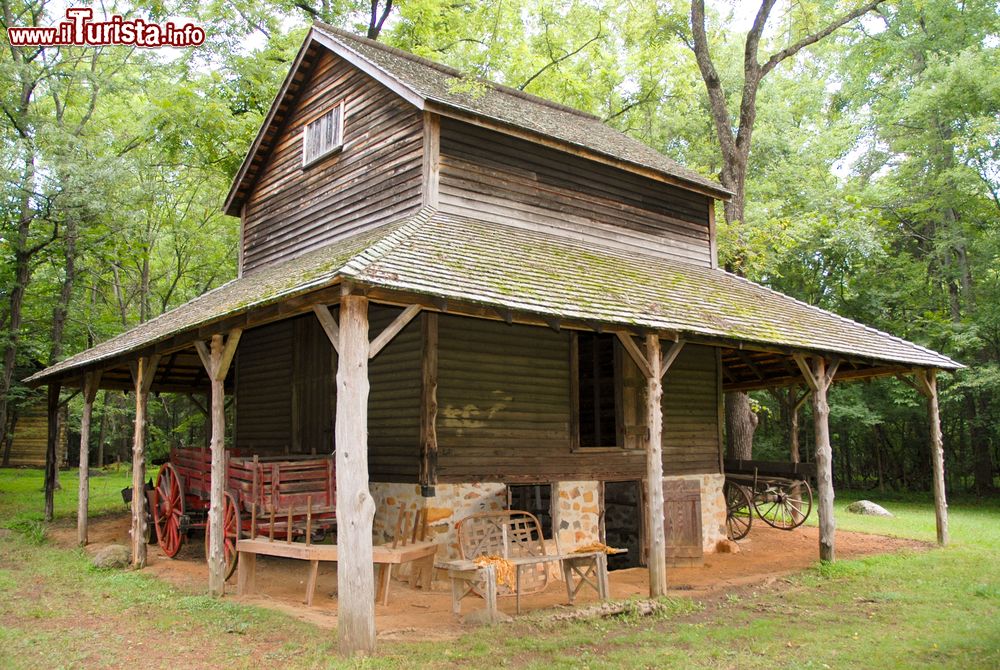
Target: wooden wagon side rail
<point x="770" y="468"/>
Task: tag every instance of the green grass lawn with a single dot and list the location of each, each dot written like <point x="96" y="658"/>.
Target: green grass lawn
<point x="924" y="609"/>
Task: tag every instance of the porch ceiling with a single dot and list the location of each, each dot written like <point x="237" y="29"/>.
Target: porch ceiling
<point x="462" y="265"/>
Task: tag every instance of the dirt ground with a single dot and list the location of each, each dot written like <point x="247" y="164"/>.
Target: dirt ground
<point x="413" y="614"/>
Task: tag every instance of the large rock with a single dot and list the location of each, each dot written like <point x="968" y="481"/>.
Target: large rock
<point x="113" y="556"/>
<point x="868" y="508"/>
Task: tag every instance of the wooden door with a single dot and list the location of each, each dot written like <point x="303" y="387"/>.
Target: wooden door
<point x="682" y="521"/>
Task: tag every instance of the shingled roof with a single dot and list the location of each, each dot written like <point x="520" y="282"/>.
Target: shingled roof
<point x="532" y="273"/>
<point x="437" y="87"/>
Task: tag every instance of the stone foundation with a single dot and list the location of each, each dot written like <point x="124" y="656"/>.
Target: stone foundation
<point x="576" y="514"/>
<point x="451" y="504"/>
<point x="576" y="510"/>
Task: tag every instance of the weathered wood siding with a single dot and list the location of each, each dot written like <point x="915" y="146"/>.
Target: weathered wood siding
<point x="394" y="401"/>
<point x="264" y="365"/>
<point x="504" y="409"/>
<point x="690" y="413"/>
<point x="286" y="393"/>
<point x="498" y="178"/>
<point x="374" y="179"/>
<point x="31" y="437"/>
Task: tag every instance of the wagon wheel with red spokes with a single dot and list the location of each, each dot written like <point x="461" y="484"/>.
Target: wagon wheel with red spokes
<point x="169" y="510"/>
<point x="230" y="532"/>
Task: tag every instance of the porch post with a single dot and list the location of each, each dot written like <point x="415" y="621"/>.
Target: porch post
<point x="654" y="470"/>
<point x="819" y="376"/>
<point x="216" y="362"/>
<point x="355" y="507"/>
<point x="50" y="450"/>
<point x="927" y="385"/>
<point x="142" y="376"/>
<point x="91" y="380"/>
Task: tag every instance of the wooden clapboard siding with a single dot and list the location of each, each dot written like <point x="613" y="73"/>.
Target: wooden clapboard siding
<point x="394" y="401"/>
<point x="504" y="409"/>
<point x="374" y="179"/>
<point x="312" y="388"/>
<point x="494" y="177"/>
<point x="690" y="413"/>
<point x="264" y="368"/>
<point x="31" y="436"/>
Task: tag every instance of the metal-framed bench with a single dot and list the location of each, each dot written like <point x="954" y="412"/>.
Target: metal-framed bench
<point x="516" y="537"/>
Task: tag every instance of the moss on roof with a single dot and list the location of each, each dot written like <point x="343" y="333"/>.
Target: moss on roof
<point x="509" y="267"/>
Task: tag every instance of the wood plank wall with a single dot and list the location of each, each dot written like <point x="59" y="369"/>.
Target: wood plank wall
<point x="375" y="179"/>
<point x="494" y="177"/>
<point x="394" y="401"/>
<point x="264" y="364"/>
<point x="504" y="411"/>
<point x="504" y="403"/>
<point x="31" y="437"/>
<point x="286" y="393"/>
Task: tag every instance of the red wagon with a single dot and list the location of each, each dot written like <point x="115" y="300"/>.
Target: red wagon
<point x="274" y="496"/>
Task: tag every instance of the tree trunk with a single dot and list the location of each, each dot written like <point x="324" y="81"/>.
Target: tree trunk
<point x="741" y="423"/>
<point x="50" y="450"/>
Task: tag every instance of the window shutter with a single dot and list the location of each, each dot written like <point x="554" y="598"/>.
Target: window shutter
<point x="323" y="135"/>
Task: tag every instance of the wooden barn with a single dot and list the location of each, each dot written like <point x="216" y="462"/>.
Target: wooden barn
<point x="479" y="299"/>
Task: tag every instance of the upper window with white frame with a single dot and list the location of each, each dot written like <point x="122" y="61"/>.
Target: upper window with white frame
<point x="323" y="135"/>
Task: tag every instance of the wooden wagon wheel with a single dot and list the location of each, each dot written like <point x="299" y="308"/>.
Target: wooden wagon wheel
<point x="784" y="504"/>
<point x="231" y="532"/>
<point x="169" y="510"/>
<point x="739" y="514"/>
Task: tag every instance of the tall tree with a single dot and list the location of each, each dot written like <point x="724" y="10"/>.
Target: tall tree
<point x="735" y="136"/>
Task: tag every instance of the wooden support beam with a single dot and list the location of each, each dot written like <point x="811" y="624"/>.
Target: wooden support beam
<point x="91" y="382"/>
<point x="217" y="359"/>
<point x="143" y="371"/>
<point x="355" y="507"/>
<point x="428" y="404"/>
<point x="670" y="356"/>
<point x="329" y="325"/>
<point x="505" y="314"/>
<point x="392" y="330"/>
<point x="554" y="323"/>
<point x="636" y="354"/>
<point x="51" y="466"/>
<point x="750" y="364"/>
<point x="655" y="531"/>
<point x="927" y="385"/>
<point x="432" y="159"/>
<point x="819" y="375"/>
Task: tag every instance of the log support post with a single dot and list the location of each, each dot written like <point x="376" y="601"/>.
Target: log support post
<point x="91" y="382"/>
<point x="355" y="507"/>
<point x="819" y="373"/>
<point x="654" y="364"/>
<point x="428" y="405"/>
<point x="143" y="372"/>
<point x="926" y="384"/>
<point x="217" y="357"/>
<point x="51" y="451"/>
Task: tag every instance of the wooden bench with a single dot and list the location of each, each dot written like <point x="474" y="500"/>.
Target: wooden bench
<point x="420" y="553"/>
<point x="516" y="537"/>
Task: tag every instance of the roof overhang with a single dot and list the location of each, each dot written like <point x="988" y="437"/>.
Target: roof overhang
<point x="447" y="264"/>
